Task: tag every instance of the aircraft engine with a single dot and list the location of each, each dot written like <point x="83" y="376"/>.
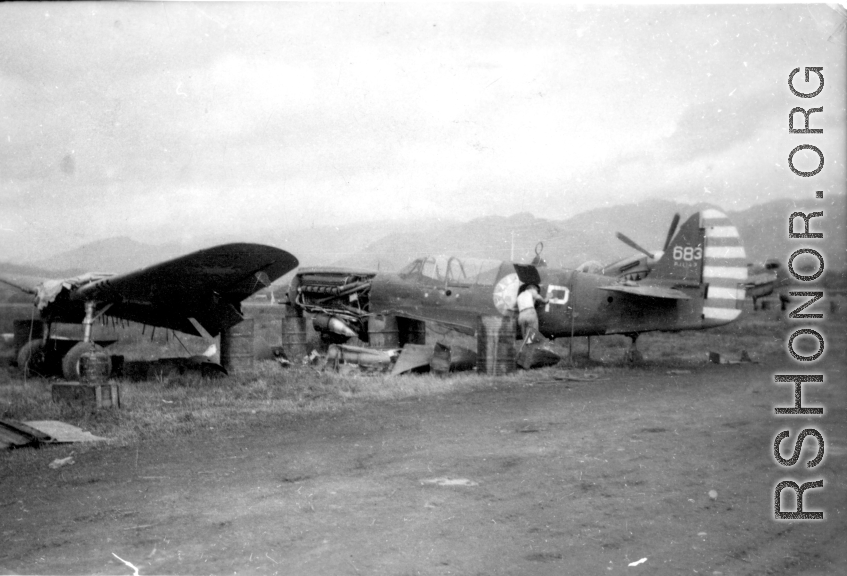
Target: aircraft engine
<point x="327" y="323"/>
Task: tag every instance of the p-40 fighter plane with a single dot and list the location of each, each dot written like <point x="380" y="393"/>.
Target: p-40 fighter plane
<point x="198" y="294"/>
<point x="697" y="282"/>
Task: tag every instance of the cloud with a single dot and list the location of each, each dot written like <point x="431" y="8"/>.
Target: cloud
<point x="720" y="124"/>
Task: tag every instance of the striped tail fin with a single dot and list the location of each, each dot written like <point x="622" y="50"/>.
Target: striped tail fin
<point x="707" y="252"/>
<point x="724" y="269"/>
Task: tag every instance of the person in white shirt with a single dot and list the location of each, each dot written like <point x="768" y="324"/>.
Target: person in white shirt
<point x="527" y="317"/>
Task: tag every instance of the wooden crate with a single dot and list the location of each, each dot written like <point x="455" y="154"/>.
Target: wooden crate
<point x="95" y="395"/>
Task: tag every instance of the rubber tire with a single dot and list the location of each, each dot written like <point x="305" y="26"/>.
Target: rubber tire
<point x="70" y="363"/>
<point x="32" y="359"/>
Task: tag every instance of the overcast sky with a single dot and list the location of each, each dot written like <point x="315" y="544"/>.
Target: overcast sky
<point x="176" y="120"/>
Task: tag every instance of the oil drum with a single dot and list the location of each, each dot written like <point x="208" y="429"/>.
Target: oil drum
<point x="382" y="332"/>
<point x="496" y="344"/>
<point x="295" y="337"/>
<point x="95" y="365"/>
<point x="237" y="347"/>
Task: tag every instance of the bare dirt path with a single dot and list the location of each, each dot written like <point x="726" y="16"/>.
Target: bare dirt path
<point x="547" y="478"/>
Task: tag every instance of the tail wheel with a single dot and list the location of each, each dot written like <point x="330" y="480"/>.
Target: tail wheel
<point x="32" y="358"/>
<point x="70" y="363"/>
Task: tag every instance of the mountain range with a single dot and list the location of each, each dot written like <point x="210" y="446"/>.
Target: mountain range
<point x="387" y="246"/>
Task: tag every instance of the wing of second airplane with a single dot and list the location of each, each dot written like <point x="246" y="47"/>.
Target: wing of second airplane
<point x="28" y="284"/>
<point x="650" y="291"/>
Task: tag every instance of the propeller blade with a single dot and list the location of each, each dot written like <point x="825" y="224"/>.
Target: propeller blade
<point x="671" y="231"/>
<point x="623" y="238"/>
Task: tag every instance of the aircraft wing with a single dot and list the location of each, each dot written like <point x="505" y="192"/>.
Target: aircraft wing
<point x="650" y="291"/>
<point x="28" y="284"/>
<point x="206" y="286"/>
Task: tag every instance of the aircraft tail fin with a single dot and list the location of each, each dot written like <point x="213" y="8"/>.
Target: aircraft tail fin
<point x="707" y="251"/>
<point x="682" y="259"/>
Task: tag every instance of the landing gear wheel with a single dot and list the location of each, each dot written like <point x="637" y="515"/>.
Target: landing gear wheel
<point x="71" y="363"/>
<point x="32" y="358"/>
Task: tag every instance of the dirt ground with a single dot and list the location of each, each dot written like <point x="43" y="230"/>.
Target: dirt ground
<point x="538" y="477"/>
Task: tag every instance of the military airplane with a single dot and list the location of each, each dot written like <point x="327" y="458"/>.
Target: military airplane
<point x="697" y="281"/>
<point x="764" y="279"/>
<point x="198" y="294"/>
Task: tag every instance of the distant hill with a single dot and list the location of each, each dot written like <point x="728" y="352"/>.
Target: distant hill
<point x="11" y="295"/>
<point x="120" y="254"/>
<point x="388" y="246"/>
<point x="764" y="229"/>
<point x="591" y="235"/>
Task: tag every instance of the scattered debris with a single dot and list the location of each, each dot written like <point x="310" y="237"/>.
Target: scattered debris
<point x="367" y="359"/>
<point x="99" y="395"/>
<point x="60" y="432"/>
<point x="637" y="562"/>
<point x="15" y="434"/>
<point x="135" y="573"/>
<point x="585" y="377"/>
<point x="450" y="482"/>
<point x="413" y="358"/>
<point x="452" y="359"/>
<point x="59" y="462"/>
<point x="535" y="352"/>
<point x="715" y="358"/>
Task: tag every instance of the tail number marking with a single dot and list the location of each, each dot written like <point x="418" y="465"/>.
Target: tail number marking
<point x="688" y="253"/>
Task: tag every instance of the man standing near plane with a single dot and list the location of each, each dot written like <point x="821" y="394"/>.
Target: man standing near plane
<point x="527" y="317"/>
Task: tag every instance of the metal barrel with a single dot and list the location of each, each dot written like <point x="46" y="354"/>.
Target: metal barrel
<point x="95" y="366"/>
<point x="496" y="344"/>
<point x="411" y="331"/>
<point x="237" y="347"/>
<point x="382" y="332"/>
<point x="440" y="363"/>
<point x="26" y="330"/>
<point x="295" y="337"/>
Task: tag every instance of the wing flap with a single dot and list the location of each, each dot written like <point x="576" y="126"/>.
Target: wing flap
<point x="649" y="291"/>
